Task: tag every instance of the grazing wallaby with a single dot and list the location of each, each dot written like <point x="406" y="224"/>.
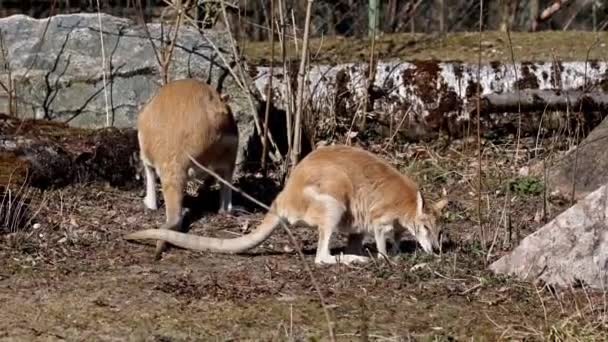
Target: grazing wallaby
<point x="335" y="188"/>
<point x="185" y="117"/>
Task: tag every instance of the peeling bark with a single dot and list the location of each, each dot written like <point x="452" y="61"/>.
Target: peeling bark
<point x="48" y="154"/>
<point x="540" y="100"/>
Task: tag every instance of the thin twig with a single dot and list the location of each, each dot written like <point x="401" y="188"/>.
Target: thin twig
<point x="481" y="229"/>
<point x="103" y="65"/>
<point x="286" y="79"/>
<point x="371" y="73"/>
<point x="507" y="205"/>
<point x="276" y="157"/>
<point x="10" y="89"/>
<point x="269" y="92"/>
<point x="142" y="17"/>
<point x="297" y="139"/>
<point x="580" y="109"/>
<point x="167" y="55"/>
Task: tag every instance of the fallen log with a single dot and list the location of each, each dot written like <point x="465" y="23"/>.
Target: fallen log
<point x="423" y="98"/>
<point x="46" y="154"/>
<point x="532" y="100"/>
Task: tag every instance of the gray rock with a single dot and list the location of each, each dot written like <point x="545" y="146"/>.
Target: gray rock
<point x="58" y="75"/>
<point x="586" y="165"/>
<point x="571" y="249"/>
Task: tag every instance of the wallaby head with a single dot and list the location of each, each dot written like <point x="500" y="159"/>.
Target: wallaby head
<point x="424" y="225"/>
<point x="335" y="189"/>
<point x="185" y="117"/>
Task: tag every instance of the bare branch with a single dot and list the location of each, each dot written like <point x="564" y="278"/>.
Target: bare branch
<point x="10" y="88"/>
<point x="269" y="93"/>
<point x="297" y="139"/>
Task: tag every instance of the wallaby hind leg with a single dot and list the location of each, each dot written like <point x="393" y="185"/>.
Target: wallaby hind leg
<point x="326" y="213"/>
<point x="173" y="193"/>
<point x="225" y="191"/>
<point x="150" y="200"/>
<point x="396" y="248"/>
<point x="226" y="171"/>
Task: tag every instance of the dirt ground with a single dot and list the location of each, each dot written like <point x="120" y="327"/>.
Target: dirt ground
<point x="68" y="274"/>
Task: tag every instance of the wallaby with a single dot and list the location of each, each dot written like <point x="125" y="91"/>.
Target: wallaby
<point x="184" y="117"/>
<point x="336" y="189"/>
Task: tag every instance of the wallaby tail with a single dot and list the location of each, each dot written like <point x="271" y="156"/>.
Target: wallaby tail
<point x="199" y="243"/>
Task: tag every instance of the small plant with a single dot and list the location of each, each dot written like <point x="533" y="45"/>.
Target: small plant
<point x="527" y="185"/>
<point x="14" y="210"/>
<point x="474" y="247"/>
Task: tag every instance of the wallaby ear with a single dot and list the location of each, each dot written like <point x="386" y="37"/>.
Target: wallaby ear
<point x="419" y="203"/>
<point x="438" y="206"/>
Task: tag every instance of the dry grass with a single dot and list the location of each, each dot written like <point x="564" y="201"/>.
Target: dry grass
<point x="568" y="45"/>
<point x="77" y="278"/>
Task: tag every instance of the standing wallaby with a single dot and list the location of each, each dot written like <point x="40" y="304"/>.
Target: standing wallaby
<point x="185" y="117"/>
<point x="335" y="189"/>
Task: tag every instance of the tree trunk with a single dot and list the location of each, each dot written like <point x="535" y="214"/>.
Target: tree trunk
<point x="50" y="154"/>
<point x="534" y="9"/>
<point x="441" y="15"/>
<point x="390" y="13"/>
<point x="505" y="15"/>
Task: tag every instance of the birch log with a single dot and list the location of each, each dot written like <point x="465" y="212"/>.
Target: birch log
<point x="437" y="96"/>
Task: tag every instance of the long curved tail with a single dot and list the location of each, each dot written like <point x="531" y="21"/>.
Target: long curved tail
<point x="201" y="243"/>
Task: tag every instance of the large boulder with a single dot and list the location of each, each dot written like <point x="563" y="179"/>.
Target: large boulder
<point x="581" y="169"/>
<point x="571" y="249"/>
<point x="56" y="67"/>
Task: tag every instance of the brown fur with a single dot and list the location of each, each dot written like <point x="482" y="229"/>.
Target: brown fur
<point x="185" y="117"/>
<point x="336" y="188"/>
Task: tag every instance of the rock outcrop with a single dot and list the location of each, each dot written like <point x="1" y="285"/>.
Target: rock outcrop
<point x="569" y="250"/>
<point x="582" y="169"/>
<point x="56" y="68"/>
